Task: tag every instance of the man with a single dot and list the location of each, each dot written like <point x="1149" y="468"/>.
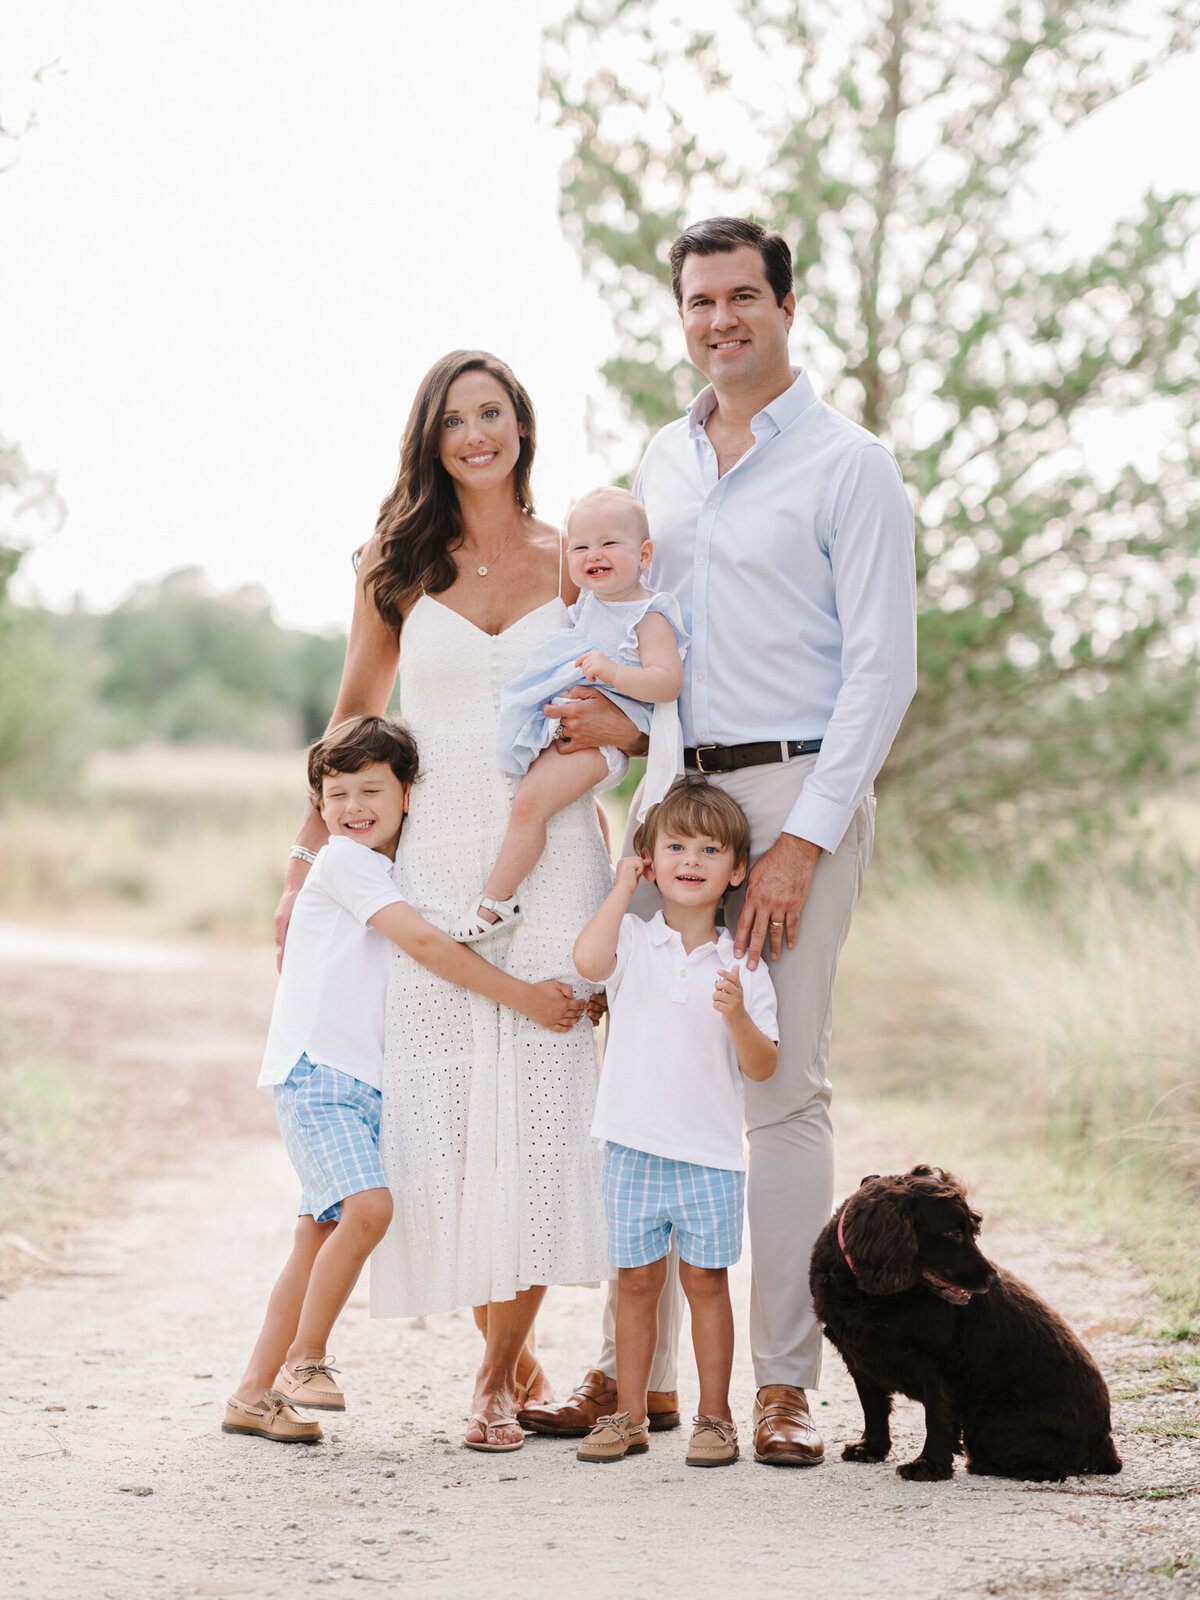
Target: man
<point x="786" y="535"/>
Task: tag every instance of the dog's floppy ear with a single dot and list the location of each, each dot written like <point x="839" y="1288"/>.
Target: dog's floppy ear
<point x="880" y="1238"/>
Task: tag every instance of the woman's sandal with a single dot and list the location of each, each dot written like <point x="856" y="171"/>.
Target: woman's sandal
<point x="536" y="1372"/>
<point x="471" y="927"/>
<point x="478" y="1420"/>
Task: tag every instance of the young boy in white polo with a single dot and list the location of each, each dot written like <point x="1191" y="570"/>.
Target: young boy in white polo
<point x="324" y="1061"/>
<point x="685" y="1026"/>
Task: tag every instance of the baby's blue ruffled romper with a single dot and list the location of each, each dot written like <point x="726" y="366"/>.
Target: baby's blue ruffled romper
<point x="523" y="732"/>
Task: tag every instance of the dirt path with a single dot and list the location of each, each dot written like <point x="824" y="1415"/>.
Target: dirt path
<point x="116" y="1482"/>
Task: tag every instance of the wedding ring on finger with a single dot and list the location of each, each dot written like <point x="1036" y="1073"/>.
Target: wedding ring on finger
<point x="775" y="924"/>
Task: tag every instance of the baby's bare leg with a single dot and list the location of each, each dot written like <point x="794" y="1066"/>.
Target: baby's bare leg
<point x="553" y="781"/>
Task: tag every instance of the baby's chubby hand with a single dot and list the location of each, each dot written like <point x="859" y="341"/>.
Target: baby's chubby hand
<point x="727" y="996"/>
<point x="596" y="666"/>
<point x="630" y="870"/>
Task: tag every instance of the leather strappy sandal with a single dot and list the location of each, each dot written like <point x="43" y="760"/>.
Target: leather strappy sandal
<point x="478" y="1420"/>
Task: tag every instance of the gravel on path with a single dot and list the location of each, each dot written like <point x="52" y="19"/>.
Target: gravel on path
<point x="115" y="1480"/>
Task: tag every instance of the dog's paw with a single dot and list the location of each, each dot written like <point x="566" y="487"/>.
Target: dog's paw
<point x="865" y="1450"/>
<point x="923" y="1471"/>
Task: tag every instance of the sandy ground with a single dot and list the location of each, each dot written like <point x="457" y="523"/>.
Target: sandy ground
<point x="116" y="1482"/>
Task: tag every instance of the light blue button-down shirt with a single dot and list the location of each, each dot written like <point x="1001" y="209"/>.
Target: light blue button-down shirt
<point x="795" y="576"/>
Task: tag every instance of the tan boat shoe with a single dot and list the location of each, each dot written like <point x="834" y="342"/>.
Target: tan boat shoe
<point x="713" y="1443"/>
<point x="614" y="1437"/>
<point x="270" y="1419"/>
<point x="309" y="1384"/>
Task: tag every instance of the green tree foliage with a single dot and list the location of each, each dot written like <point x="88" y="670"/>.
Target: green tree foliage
<point x="42" y="693"/>
<point x="180" y="661"/>
<point x="889" y="141"/>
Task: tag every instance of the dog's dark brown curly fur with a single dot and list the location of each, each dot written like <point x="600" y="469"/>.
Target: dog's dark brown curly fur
<point x="923" y="1313"/>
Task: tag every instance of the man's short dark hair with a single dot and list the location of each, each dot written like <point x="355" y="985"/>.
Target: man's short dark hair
<point x="720" y="235"/>
<point x="360" y="742"/>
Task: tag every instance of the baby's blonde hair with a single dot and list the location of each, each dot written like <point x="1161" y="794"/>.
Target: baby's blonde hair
<point x="621" y="498"/>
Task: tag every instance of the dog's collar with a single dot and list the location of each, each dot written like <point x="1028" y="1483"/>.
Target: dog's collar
<point x="870" y="1178"/>
<point x="842" y="1245"/>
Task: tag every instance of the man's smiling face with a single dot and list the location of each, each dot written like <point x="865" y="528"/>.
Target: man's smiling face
<point x="736" y="333"/>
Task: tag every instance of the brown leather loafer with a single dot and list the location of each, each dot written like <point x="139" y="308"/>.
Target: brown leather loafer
<point x="784" y="1435"/>
<point x="596" y="1397"/>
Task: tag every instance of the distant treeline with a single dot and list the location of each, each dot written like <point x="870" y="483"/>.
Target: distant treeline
<point x="176" y="660"/>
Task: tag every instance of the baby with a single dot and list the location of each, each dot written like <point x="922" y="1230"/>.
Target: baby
<point x="622" y="637"/>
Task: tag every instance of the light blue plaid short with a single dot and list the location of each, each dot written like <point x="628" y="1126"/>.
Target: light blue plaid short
<point x="646" y="1196"/>
<point x="330" y="1126"/>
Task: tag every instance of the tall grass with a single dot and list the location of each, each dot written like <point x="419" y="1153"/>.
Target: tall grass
<point x="179" y="842"/>
<point x="1060" y="1024"/>
<point x="49" y="1141"/>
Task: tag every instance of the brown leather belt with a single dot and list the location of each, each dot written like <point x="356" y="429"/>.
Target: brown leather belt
<point x="729" y="757"/>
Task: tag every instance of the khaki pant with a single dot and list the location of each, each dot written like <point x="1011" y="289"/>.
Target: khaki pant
<point x="789" y="1181"/>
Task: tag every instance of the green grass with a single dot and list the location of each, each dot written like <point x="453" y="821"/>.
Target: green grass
<point x="1166" y="1430"/>
<point x="1171" y="1372"/>
<point x="46" y="1130"/>
<point x="1173" y="1567"/>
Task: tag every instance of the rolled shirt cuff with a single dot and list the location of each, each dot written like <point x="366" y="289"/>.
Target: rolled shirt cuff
<point x="822" y="822"/>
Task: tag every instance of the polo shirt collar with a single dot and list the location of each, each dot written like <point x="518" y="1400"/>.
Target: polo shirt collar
<point x="659" y="933"/>
<point x="784" y="409"/>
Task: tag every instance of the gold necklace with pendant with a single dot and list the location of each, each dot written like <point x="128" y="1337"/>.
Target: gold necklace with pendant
<point x="483" y="571"/>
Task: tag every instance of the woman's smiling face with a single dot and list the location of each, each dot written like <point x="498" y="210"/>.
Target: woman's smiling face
<point x="480" y="440"/>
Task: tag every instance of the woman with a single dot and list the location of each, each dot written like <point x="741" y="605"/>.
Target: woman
<point x="485" y="1119"/>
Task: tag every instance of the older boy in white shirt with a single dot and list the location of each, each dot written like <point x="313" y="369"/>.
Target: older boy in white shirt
<point x="670" y="1106"/>
<point x="324" y="1062"/>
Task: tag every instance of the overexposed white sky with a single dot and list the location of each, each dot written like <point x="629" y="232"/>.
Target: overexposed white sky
<point x="243" y="230"/>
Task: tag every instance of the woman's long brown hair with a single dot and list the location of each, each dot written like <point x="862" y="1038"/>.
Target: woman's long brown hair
<point x="419" y="522"/>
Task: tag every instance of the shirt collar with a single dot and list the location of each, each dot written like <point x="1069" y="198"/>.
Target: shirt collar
<point x="660" y="933"/>
<point x="774" y="418"/>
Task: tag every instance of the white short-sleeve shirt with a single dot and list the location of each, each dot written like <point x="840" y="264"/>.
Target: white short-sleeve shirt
<point x="671" y="1084"/>
<point x="332" y="991"/>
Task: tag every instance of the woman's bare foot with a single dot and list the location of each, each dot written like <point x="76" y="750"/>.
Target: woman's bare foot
<point x="498" y="1408"/>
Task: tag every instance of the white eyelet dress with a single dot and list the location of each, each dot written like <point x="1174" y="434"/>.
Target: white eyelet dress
<point x="486" y="1116"/>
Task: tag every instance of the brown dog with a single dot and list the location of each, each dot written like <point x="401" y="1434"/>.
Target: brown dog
<point x="915" y="1309"/>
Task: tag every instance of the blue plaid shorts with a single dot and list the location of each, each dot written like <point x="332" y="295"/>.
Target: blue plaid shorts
<point x="646" y="1196"/>
<point x="330" y="1126"/>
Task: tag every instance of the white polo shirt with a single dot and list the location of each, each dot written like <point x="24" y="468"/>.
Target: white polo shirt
<point x="332" y="991"/>
<point x="671" y="1084"/>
